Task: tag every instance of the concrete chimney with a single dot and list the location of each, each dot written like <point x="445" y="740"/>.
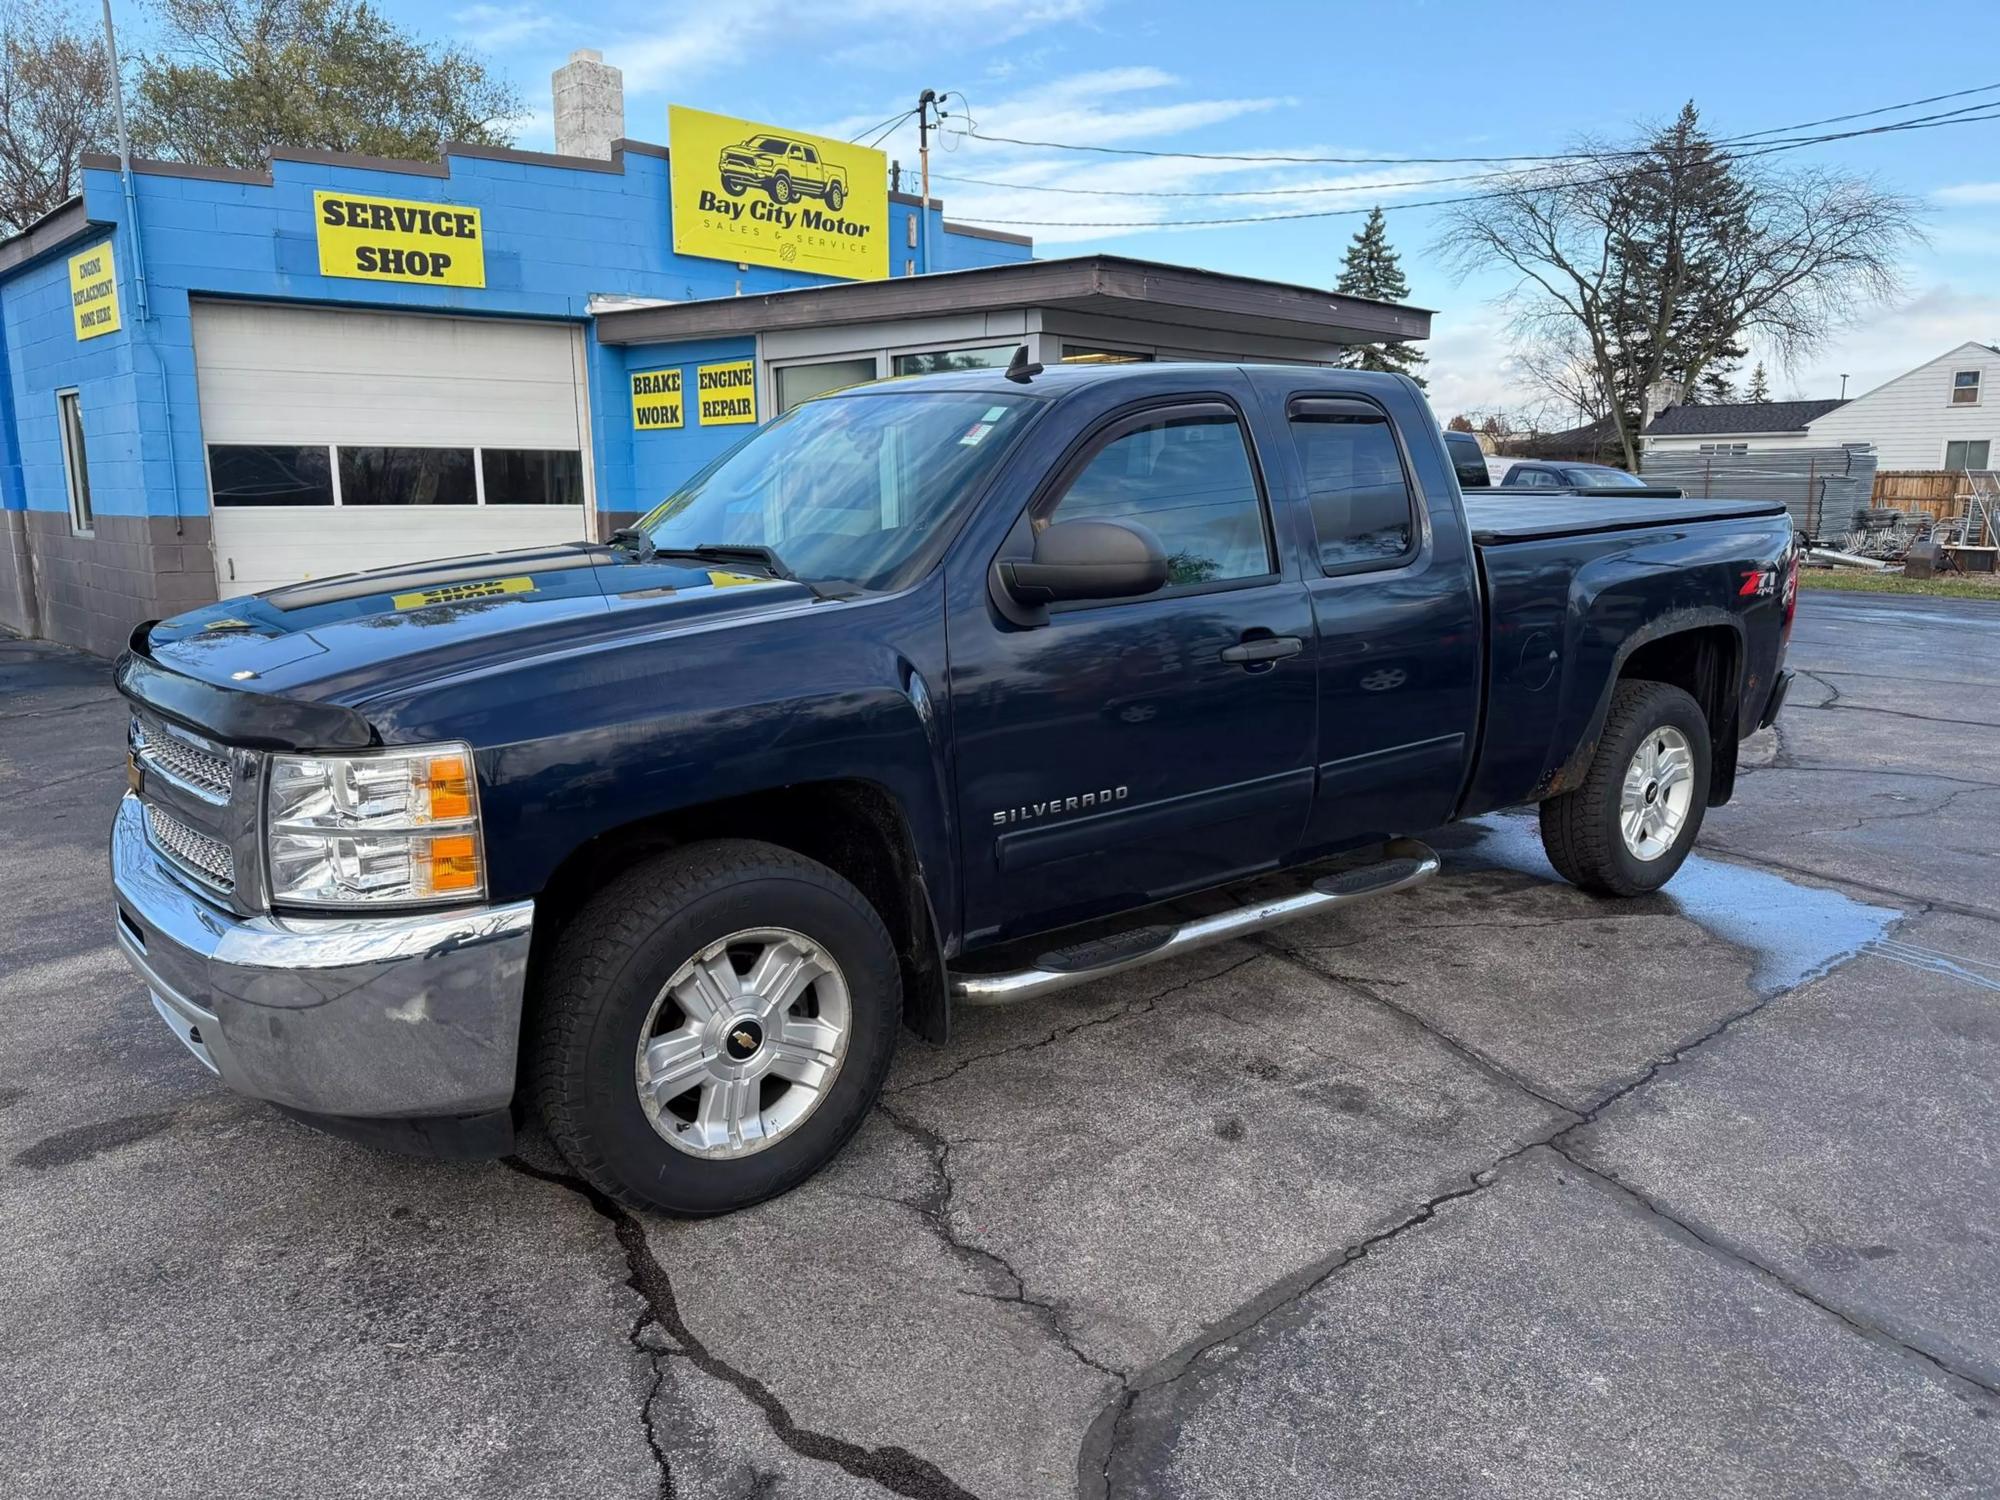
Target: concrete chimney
<point x="590" y="105"/>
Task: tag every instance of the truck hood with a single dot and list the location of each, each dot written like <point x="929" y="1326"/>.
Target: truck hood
<point x="350" y="639"/>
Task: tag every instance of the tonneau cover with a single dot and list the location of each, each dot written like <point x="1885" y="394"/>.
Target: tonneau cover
<point x="1497" y="518"/>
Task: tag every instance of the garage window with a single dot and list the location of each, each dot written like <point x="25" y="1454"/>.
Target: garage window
<point x="76" y="464"/>
<point x="275" y="474"/>
<point x="407" y="476"/>
<point x="532" y="476"/>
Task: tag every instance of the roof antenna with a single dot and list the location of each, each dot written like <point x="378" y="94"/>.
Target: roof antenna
<point x="1020" y="368"/>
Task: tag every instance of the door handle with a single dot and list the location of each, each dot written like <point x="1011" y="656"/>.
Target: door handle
<point x="1262" y="650"/>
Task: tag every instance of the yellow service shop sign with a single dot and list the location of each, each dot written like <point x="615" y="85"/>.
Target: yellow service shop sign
<point x="766" y="196"/>
<point x="395" y="239"/>
<point x="93" y="292"/>
<point x="656" y="400"/>
<point x="728" y="393"/>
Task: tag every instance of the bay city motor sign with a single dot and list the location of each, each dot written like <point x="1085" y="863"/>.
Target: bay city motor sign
<point x="397" y="239"/>
<point x="764" y="195"/>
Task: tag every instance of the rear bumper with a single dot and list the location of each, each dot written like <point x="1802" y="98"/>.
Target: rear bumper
<point x="1776" y="701"/>
<point x="359" y="1018"/>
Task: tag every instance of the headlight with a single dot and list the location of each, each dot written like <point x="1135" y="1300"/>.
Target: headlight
<point x="400" y="826"/>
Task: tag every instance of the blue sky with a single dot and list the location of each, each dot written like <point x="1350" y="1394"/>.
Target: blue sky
<point x="1401" y="80"/>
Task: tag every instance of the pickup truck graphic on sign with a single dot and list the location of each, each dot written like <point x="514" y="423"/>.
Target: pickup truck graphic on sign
<point x="784" y="168"/>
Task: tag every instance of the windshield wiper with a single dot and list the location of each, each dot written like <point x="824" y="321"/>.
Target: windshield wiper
<point x="763" y="557"/>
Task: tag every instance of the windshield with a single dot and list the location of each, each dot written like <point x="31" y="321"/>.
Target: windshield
<point x="845" y="489"/>
<point x="1599" y="478"/>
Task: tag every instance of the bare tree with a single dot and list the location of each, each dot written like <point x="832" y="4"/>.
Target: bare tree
<point x="55" y="104"/>
<point x="1652" y="266"/>
<point x="1552" y="362"/>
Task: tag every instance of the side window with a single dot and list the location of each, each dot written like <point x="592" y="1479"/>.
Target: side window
<point x="1362" y="510"/>
<point x="1188" y="478"/>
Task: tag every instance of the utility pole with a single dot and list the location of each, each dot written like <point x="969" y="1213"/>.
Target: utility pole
<point x="926" y="102"/>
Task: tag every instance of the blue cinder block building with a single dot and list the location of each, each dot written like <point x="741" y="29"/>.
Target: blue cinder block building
<point x="200" y="398"/>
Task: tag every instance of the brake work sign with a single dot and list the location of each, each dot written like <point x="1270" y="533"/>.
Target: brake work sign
<point x="656" y="400"/>
<point x="396" y="239"/>
<point x="764" y="196"/>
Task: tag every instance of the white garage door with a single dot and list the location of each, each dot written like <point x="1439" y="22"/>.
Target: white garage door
<point x="341" y="440"/>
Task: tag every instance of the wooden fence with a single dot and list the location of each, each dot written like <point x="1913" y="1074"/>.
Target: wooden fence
<point x="1939" y="493"/>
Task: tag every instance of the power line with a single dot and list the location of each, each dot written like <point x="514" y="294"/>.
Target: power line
<point x="1422" y="161"/>
<point x="1963" y="116"/>
<point x="884" y="127"/>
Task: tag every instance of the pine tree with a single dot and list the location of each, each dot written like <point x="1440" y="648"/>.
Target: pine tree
<point x="1674" y="218"/>
<point x="1760" y="386"/>
<point x="1372" y="269"/>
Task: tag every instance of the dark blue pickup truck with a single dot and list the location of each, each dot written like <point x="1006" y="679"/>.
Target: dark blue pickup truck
<point x="933" y="692"/>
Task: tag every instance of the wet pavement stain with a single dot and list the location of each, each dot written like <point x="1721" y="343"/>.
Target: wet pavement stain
<point x="1795" y="932"/>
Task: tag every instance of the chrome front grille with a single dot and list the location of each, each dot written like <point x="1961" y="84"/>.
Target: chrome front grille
<point x="193" y="763"/>
<point x="207" y="860"/>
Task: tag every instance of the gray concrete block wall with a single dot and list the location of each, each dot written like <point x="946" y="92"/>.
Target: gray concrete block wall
<point x="90" y="591"/>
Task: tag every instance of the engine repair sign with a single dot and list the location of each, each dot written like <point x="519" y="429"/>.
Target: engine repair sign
<point x="762" y="195"/>
<point x="728" y="393"/>
<point x="395" y="239"/>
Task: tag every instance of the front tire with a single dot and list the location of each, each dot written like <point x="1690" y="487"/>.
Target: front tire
<point x="781" y="189"/>
<point x="713" y="1026"/>
<point x="1630" y="825"/>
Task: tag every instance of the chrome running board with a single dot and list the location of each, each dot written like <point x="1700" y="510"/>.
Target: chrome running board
<point x="1405" y="863"/>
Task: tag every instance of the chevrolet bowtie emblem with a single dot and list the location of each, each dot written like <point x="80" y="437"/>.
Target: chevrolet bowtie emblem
<point x="742" y="1038"/>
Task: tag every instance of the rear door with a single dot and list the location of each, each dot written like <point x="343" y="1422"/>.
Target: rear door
<point x="1396" y="605"/>
<point x="1127" y="750"/>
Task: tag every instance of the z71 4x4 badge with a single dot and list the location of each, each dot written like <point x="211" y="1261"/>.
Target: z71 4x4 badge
<point x="1083" y="802"/>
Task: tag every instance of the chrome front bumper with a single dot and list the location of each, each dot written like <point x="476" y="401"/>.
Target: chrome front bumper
<point x="388" y="1016"/>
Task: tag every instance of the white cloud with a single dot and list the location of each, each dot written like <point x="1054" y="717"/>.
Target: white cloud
<point x="1969" y="192"/>
<point x="495" y="28"/>
<point x="1893" y="340"/>
<point x="701" y="40"/>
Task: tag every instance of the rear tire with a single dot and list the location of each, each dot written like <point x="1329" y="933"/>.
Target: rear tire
<point x="715" y="921"/>
<point x="1630" y="825"/>
<point x="836" y="197"/>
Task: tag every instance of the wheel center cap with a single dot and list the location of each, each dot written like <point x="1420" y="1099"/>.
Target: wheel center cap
<point x="743" y="1039"/>
<point x="1652" y="792"/>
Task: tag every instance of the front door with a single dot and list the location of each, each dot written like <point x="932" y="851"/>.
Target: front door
<point x="1128" y="750"/>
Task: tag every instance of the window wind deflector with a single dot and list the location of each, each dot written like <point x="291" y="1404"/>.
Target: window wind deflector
<point x="1335" y="408"/>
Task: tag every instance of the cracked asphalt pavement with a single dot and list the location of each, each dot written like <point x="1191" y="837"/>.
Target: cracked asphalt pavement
<point x="1491" y="1189"/>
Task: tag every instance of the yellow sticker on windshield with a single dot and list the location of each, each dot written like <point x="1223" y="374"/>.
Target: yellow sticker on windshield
<point x="733" y="580"/>
<point x="485" y="588"/>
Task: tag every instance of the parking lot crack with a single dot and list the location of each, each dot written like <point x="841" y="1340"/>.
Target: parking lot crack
<point x="934" y="1208"/>
<point x="1368" y="990"/>
<point x="1728" y="1250"/>
<point x="894" y="1468"/>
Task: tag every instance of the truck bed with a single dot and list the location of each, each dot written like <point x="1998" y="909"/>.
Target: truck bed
<point x="1497" y="519"/>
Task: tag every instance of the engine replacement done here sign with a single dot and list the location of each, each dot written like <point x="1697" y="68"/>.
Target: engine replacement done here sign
<point x="397" y="239"/>
<point x="93" y="292"/>
<point x="765" y="196"/>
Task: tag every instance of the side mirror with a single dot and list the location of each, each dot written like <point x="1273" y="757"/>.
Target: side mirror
<point x="1087" y="560"/>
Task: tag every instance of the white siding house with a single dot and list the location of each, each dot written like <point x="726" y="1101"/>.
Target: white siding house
<point x="1944" y="414"/>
